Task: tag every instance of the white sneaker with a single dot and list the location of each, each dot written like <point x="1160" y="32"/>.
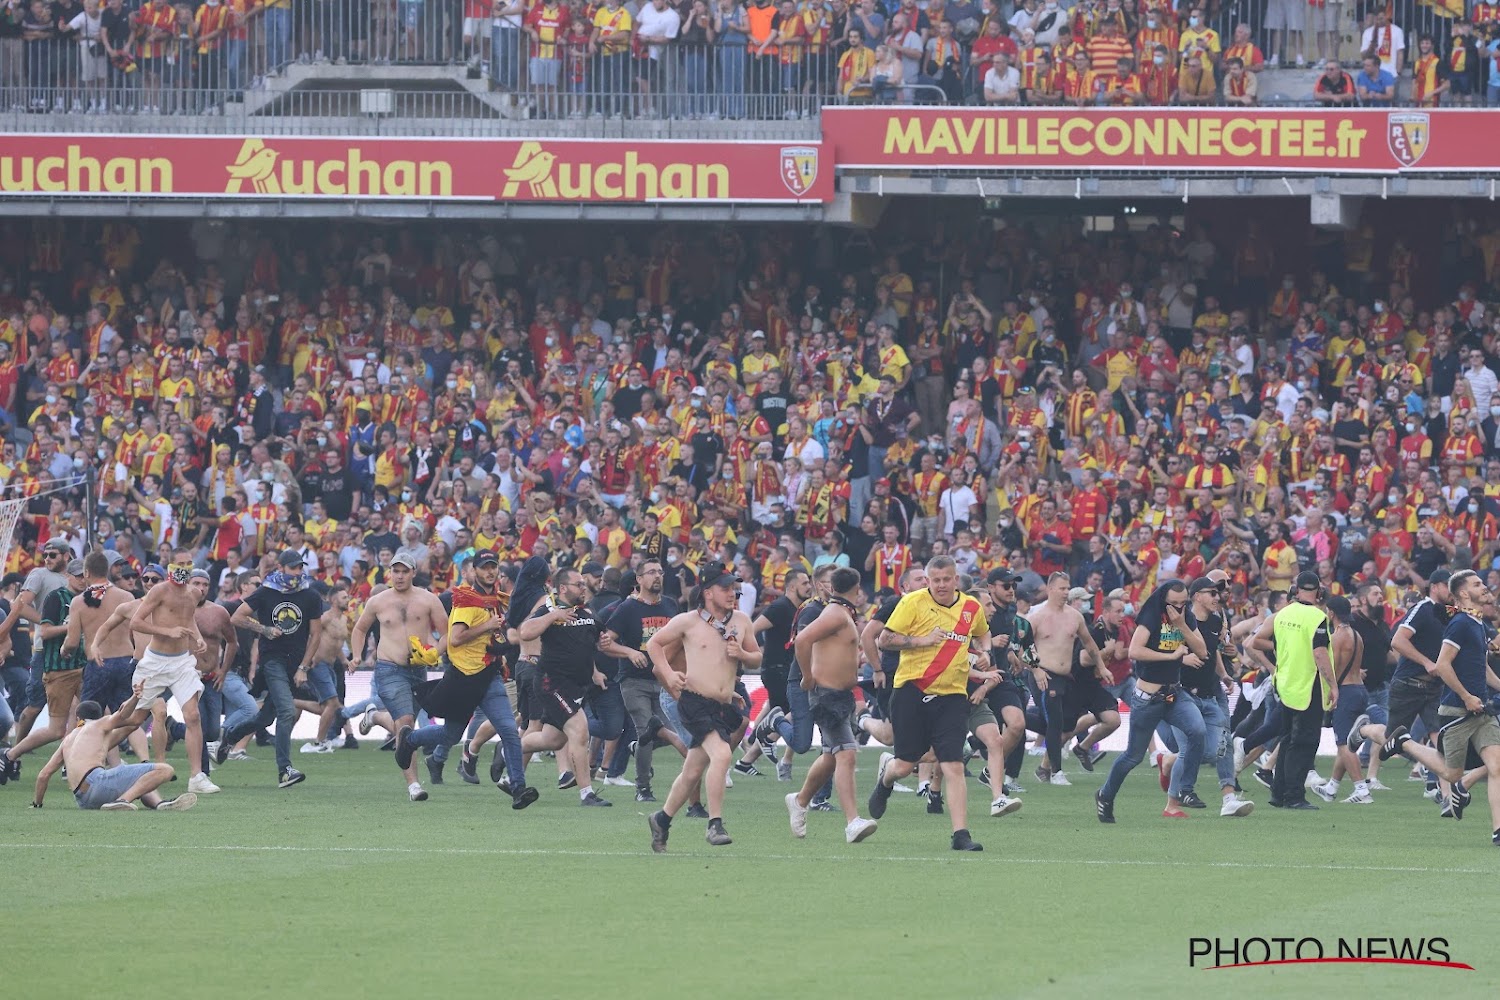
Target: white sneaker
<point x="858" y="829"/>
<point x="416" y="792"/>
<point x="729" y="778"/>
<point x="1432" y="794"/>
<point x="1313" y="779"/>
<point x="620" y="781"/>
<point x="1236" y="806"/>
<point x="885" y="761"/>
<point x="899" y="787"/>
<point x="211" y="748"/>
<point x="1059" y="778"/>
<point x="1327" y="792"/>
<point x="239" y="755"/>
<point x="1375" y="785"/>
<point x="1004" y="806"/>
<point x="316" y="746"/>
<point x="798" y="815"/>
<point x="200" y="784"/>
<point x="367" y="719"/>
<point x="1361" y="797"/>
<point x="1239" y="754"/>
<point x="182" y="803"/>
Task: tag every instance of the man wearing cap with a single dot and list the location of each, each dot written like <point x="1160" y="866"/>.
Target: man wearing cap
<point x="1203" y="684"/>
<point x="288" y="618"/>
<point x="40" y="582"/>
<point x="1417" y="642"/>
<point x="61" y="670"/>
<point x="1305" y="685"/>
<point x="408" y="618"/>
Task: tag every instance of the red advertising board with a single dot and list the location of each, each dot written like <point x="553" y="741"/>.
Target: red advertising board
<point x="539" y="170"/>
<point x="1236" y="141"/>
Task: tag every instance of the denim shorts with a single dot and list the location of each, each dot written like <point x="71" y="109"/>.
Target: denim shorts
<point x="107" y="784"/>
<point x="1353" y="701"/>
<point x="395" y="686"/>
<point x="320" y="678"/>
<point x="110" y="684"/>
<point x="36" y="689"/>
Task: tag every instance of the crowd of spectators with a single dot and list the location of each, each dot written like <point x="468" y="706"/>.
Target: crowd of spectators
<point x="728" y="59"/>
<point x="1130" y="405"/>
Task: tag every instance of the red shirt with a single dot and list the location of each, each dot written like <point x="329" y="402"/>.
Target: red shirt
<point x="1088" y="507"/>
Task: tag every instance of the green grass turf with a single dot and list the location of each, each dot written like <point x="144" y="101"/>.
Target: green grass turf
<point x="342" y="888"/>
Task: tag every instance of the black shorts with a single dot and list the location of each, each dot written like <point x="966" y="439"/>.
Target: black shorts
<point x="1058" y="699"/>
<point x="1411" y="700"/>
<point x="701" y="716"/>
<point x="528" y="694"/>
<point x="1089" y="698"/>
<point x="1007" y="694"/>
<point x="561" y="699"/>
<point x="774" y="678"/>
<point x="923" y="722"/>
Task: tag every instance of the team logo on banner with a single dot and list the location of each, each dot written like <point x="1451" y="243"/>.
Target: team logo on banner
<point x="799" y="168"/>
<point x="1407" y="134"/>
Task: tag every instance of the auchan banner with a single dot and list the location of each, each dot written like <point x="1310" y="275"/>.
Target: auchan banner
<point x="459" y="169"/>
<point x="1285" y="140"/>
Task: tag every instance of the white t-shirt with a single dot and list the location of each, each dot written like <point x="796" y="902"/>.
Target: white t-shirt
<point x="658" y="24"/>
<point x="954" y="506"/>
<point x="1374" y="36"/>
<point x="1007" y="86"/>
<point x="88" y="31"/>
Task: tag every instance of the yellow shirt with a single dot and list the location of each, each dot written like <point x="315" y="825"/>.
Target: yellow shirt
<point x="469" y="657"/>
<point x="316" y="530"/>
<point x="944" y="668"/>
<point x="751" y="365"/>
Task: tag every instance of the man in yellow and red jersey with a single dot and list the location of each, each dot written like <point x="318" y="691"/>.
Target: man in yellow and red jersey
<point x="934" y="629"/>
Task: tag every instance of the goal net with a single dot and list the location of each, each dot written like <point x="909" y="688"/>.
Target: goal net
<point x="10" y="516"/>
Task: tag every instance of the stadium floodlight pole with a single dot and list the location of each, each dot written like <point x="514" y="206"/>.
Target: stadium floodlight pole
<point x="91" y="511"/>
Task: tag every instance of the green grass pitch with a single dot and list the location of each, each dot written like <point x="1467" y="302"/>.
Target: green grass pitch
<point x="340" y="887"/>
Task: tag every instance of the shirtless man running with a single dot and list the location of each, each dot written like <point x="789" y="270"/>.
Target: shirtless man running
<point x="695" y="657"/>
<point x="1058" y="628"/>
<point x="327" y="659"/>
<point x="170" y="663"/>
<point x="221" y="644"/>
<point x="109" y="788"/>
<point x="830" y="646"/>
<point x="404" y="613"/>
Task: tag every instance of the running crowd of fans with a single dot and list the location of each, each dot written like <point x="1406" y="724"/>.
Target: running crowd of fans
<point x="724" y="58"/>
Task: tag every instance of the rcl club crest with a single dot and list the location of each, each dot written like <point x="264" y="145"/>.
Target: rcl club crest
<point x="799" y="168"/>
<point x="1407" y="134"/>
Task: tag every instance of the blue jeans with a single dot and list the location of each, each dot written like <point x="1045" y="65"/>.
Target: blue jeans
<point x="279" y="706"/>
<point x="695" y="81"/>
<point x="1146" y="714"/>
<point x="440" y="752"/>
<point x="1215" y="713"/>
<point x="14" y="680"/>
<point x="239" y="705"/>
<point x="278" y="37"/>
<point x="606" y="712"/>
<point x="395" y="686"/>
<point x="673" y="717"/>
<point x="1379" y="709"/>
<point x="731" y="59"/>
<point x="234" y="64"/>
<point x="505" y="50"/>
<point x="496" y="707"/>
<point x="798" y="730"/>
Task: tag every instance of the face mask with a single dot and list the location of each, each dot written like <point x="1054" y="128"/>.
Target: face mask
<point x="1124" y="293"/>
<point x="1411" y="428"/>
<point x="103" y="454"/>
<point x="551" y="342"/>
<point x="79" y="463"/>
<point x="656" y="496"/>
<point x="1302" y="385"/>
<point x="1288" y="285"/>
<point x="1005" y="522"/>
<point x="666" y="318"/>
<point x="567" y="463"/>
<point x="452" y="383"/>
<point x="1393" y="498"/>
<point x="1160" y="61"/>
<point x="697" y="402"/>
<point x="673" y="559"/>
<point x="1194" y="21"/>
<point x="1473" y="508"/>
<point x="474" y="324"/>
<point x="51" y="399"/>
<point x="1150" y="22"/>
<point x="406" y="496"/>
<point x="1128" y="610"/>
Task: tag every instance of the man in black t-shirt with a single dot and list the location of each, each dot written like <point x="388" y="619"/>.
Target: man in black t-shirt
<point x="287" y="618"/>
<point x="630" y="625"/>
<point x="777" y="621"/>
<point x="1202" y="684"/>
<point x="569" y="633"/>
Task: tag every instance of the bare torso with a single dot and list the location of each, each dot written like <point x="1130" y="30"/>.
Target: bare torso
<point x="213" y="625"/>
<point x="177" y="606"/>
<point x="835" y="658"/>
<point x="531" y="648"/>
<point x="120" y="641"/>
<point x="1056" y="636"/>
<point x="331" y="639"/>
<point x="710" y="671"/>
<point x="403" y="614"/>
<point x="84" y="749"/>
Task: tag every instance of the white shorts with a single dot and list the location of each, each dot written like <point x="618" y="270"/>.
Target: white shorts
<point x="1289" y="14"/>
<point x="94" y="68"/>
<point x="476" y="27"/>
<point x="165" y="673"/>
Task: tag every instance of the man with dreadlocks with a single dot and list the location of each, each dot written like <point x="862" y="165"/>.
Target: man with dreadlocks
<point x="696" y="657"/>
<point x="474" y="676"/>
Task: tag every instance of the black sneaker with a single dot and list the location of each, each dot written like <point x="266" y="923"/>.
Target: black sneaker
<point x="389" y="744"/>
<point x="1395" y="742"/>
<point x="221" y="753"/>
<point x="820" y="805"/>
<point x="592" y="799"/>
<point x="497" y="765"/>
<point x="716" y="834"/>
<point x="741" y="767"/>
<point x="524" y="796"/>
<point x="504" y="785"/>
<point x="935" y="803"/>
<point x="566" y="780"/>
<point x="984" y="777"/>
<point x="643" y="794"/>
<point x="404" y="750"/>
<point x="264" y="739"/>
<point x="1085" y="756"/>
<point x="963" y="842"/>
<point x="350" y="743"/>
<point x="1104" y="807"/>
<point x="4" y="770"/>
<point x="1459" y="800"/>
<point x="290" y="777"/>
<point x="1495" y="838"/>
<point x="696" y="811"/>
<point x="1302" y="806"/>
<point x="1264" y="775"/>
<point x="661" y="828"/>
<point x="435" y="770"/>
<point x="468" y="768"/>
<point x="1190" y="800"/>
<point x="881" y="793"/>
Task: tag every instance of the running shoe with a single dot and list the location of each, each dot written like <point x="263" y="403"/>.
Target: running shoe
<point x="1239" y="755"/>
<point x="1459" y="800"/>
<point x="119" y="805"/>
<point x="619" y="781"/>
<point x="1104" y="807"/>
<point x="1376" y="785"/>
<point x="1011" y="788"/>
<point x="1004" y="806"/>
<point x="1236" y="806"/>
<point x="1190" y="800"/>
<point x="524" y="796"/>
<point x="696" y="811"/>
<point x="783" y="770"/>
<point x="350" y="743"/>
<point x="661" y="827"/>
<point x="797" y="814"/>
<point x="592" y="799"/>
<point x="963" y="842"/>
<point x="766" y="727"/>
<point x="182" y="803"/>
<point x="750" y="770"/>
<point x="200" y="784"/>
<point x="1354" y="740"/>
<point x="1087" y="757"/>
<point x="404" y="750"/>
<point x="1395" y="742"/>
<point x="316" y="746"/>
<point x="416" y="792"/>
<point x="239" y="755"/>
<point x="566" y="780"/>
<point x="643" y="794"/>
<point x="1059" y="779"/>
<point x="289" y="777"/>
<point x="468" y="768"/>
<point x="1327" y="791"/>
<point x="1313" y="778"/>
<point x="881" y="793"/>
<point x="1265" y="776"/>
<point x="716" y="834"/>
<point x="1360" y="797"/>
<point x="367" y="719"/>
<point x="935" y="803"/>
<point x="820" y="806"/>
<point x="859" y="829"/>
<point x="435" y="769"/>
<point x="497" y="765"/>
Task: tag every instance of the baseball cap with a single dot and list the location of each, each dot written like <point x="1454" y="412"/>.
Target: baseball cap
<point x="883" y="482"/>
<point x="75" y="567"/>
<point x="199" y="574"/>
<point x="1002" y="576"/>
<point x="486" y="557"/>
<point x="57" y="545"/>
<point x="1078" y="594"/>
<point x="758" y="335"/>
<point x="113" y="558"/>
<point x="290" y="558"/>
<point x="403" y="559"/>
<point x="1440" y="576"/>
<point x="1308" y="580"/>
<point x="592" y="568"/>
<point x="1203" y="583"/>
<point x="716" y="574"/>
<point x="156" y="568"/>
<point x="698" y="390"/>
